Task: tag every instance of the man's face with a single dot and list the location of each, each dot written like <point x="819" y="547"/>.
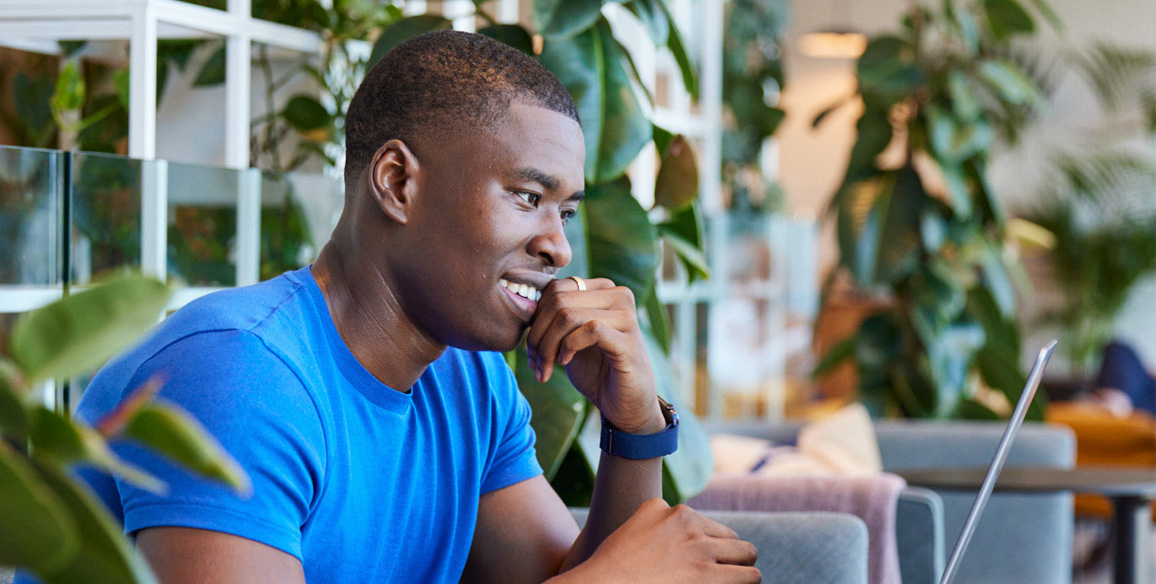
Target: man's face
<point x="485" y="233"/>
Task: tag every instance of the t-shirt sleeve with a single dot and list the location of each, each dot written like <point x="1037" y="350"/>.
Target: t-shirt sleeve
<point x="258" y="409"/>
<point x="515" y="459"/>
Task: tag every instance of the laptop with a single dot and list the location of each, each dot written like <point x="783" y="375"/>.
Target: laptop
<point x="1001" y="452"/>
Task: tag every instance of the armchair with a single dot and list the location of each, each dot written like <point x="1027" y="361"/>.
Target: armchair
<point x="798" y="548"/>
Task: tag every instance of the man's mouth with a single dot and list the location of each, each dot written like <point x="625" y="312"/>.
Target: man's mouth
<point x="524" y="290"/>
<point x="524" y="297"/>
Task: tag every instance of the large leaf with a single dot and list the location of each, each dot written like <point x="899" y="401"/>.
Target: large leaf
<point x="590" y="65"/>
<point x="177" y="435"/>
<point x="873" y="135"/>
<point x="565" y="18"/>
<point x="621" y="242"/>
<point x="688" y="253"/>
<point x="901" y="233"/>
<point x="677" y="182"/>
<point x="305" y="113"/>
<point x="886" y="247"/>
<point x="887" y="69"/>
<point x="403" y="30"/>
<point x="558" y="413"/>
<point x="950" y="355"/>
<point x="66" y="441"/>
<point x="678" y="49"/>
<point x="510" y="34"/>
<point x="687" y="471"/>
<point x="999" y="357"/>
<point x="684" y="233"/>
<point x="1009" y="82"/>
<point x="658" y="321"/>
<point x="13" y="419"/>
<point x="79" y="332"/>
<point x="1007" y="17"/>
<point x="953" y="139"/>
<point x="37" y="530"/>
<point x="999" y="283"/>
<point x="653" y="15"/>
<point x="878" y="345"/>
<point x="105" y="555"/>
<point x="964" y="102"/>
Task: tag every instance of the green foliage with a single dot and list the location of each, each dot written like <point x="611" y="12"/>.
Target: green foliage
<point x="590" y="65"/>
<point x="66" y="535"/>
<point x="1099" y="203"/>
<point x="62" y="339"/>
<point x="936" y="252"/>
<point x="620" y="241"/>
<point x="579" y="47"/>
<point x="752" y="79"/>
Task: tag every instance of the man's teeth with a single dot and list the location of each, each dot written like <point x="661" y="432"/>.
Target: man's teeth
<point x="523" y="290"/>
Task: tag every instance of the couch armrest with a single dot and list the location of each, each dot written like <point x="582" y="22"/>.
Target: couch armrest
<point x="919" y="535"/>
<point x="797" y="548"/>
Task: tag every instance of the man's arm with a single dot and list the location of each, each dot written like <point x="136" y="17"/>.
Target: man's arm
<point x="182" y="555"/>
<point x="524" y="532"/>
<point x="594" y="334"/>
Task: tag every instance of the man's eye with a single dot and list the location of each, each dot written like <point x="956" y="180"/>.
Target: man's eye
<point x="567" y="215"/>
<point x="531" y="198"/>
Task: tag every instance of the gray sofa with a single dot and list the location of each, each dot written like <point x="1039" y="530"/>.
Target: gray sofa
<point x="1023" y="539"/>
<point x="798" y="548"/>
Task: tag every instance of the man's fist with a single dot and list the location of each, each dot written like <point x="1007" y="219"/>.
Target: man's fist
<point x="594" y="334"/>
<point x="667" y="545"/>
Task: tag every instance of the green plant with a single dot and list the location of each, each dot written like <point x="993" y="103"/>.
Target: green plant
<point x="615" y="237"/>
<point x="752" y="79"/>
<point x="65" y="534"/>
<point x="927" y="232"/>
<point x="1099" y="203"/>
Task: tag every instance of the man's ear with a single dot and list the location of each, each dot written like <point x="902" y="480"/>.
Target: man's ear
<point x="392" y="184"/>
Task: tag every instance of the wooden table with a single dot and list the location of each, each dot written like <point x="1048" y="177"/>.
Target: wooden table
<point x="1129" y="490"/>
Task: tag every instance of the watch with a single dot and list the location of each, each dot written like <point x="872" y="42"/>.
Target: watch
<point x="642" y="446"/>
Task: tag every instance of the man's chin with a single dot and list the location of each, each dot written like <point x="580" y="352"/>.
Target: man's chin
<point x="497" y="344"/>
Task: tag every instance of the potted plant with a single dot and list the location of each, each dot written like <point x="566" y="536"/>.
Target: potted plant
<point x="922" y="231"/>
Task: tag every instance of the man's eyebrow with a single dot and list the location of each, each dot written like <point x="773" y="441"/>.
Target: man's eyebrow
<point x="535" y="175"/>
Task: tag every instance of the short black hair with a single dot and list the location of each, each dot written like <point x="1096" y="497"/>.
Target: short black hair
<point x="443" y="80"/>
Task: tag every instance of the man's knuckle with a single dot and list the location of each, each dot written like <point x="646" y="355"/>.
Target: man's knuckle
<point x="625" y="294"/>
<point x="567" y="315"/>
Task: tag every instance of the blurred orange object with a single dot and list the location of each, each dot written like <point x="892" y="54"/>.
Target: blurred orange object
<point x="1105" y="439"/>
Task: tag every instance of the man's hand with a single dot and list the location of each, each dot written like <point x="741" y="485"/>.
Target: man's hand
<point x="668" y="545"/>
<point x="594" y="334"/>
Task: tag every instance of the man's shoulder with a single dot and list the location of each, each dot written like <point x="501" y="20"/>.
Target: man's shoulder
<point x="234" y="326"/>
<point x="245" y="308"/>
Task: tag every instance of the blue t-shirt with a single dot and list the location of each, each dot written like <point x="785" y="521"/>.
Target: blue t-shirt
<point x="360" y="482"/>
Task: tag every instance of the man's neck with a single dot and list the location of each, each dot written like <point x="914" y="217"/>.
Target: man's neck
<point x="370" y="319"/>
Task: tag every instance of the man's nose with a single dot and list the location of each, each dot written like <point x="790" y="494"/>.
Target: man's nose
<point x="551" y="245"/>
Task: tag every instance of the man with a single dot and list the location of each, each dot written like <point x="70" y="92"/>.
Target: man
<point x="385" y="440"/>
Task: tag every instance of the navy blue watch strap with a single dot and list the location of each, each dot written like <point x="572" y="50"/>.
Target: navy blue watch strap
<point x="642" y="446"/>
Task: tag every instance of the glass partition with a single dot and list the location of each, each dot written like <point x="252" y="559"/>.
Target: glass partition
<point x="31" y="218"/>
<point x="67" y="218"/>
<point x="105" y="228"/>
<point x="202" y="224"/>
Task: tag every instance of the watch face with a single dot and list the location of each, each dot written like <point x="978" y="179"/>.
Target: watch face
<point x="668" y="412"/>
